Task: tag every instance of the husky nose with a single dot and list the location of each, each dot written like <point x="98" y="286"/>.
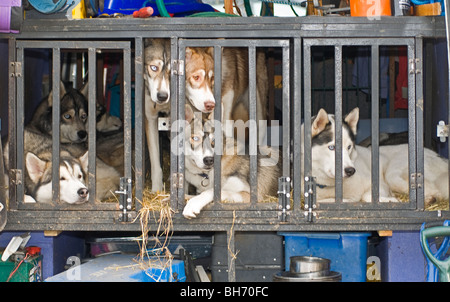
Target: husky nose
<point x="349" y="171"/>
<point x="82" y="134"/>
<point x="209" y="160"/>
<point x="83" y="192"/>
<point x="209" y="105"/>
<point x="162" y="96"/>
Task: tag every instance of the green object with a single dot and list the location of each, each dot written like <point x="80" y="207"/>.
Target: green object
<point x="30" y="270"/>
<point x="442" y="265"/>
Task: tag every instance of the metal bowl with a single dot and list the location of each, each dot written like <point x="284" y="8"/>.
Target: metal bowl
<point x="306" y="277"/>
<point x="308" y="264"/>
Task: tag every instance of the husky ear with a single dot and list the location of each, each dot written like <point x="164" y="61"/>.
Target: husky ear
<point x="352" y="119"/>
<point x="84" y="161"/>
<point x="319" y="122"/>
<point x="85" y="90"/>
<point x="62" y="92"/>
<point x="189" y="53"/>
<point x="35" y="166"/>
<point x="210" y="51"/>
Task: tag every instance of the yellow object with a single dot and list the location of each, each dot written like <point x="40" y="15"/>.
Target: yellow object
<point x="79" y="12"/>
<point x="430" y="9"/>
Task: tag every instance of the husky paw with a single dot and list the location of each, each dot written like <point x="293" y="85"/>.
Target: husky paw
<point x="192" y="209"/>
<point x="388" y="199"/>
<point x="157" y="186"/>
<point x="28" y="199"/>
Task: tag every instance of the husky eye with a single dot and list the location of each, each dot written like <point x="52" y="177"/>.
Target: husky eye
<point x="80" y="176"/>
<point x="195" y="138"/>
<point x="331" y="147"/>
<point x="154" y="68"/>
<point x="196" y="78"/>
<point x="349" y="147"/>
<point x="67" y="116"/>
<point x="62" y="178"/>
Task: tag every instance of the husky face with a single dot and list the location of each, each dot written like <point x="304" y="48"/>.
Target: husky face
<point x="323" y="145"/>
<point x="72" y="187"/>
<point x="200" y="78"/>
<point x="157" y="70"/>
<point x="199" y="145"/>
<point x="73" y="118"/>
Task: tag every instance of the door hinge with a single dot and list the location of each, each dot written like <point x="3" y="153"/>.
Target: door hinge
<point x="16" y="69"/>
<point x="284" y="197"/>
<point x="310" y="198"/>
<point x="125" y="199"/>
<point x="442" y="131"/>
<point x="15" y="175"/>
<point x="178" y="67"/>
<point x="416" y="180"/>
<point x="413" y="66"/>
<point x="177" y="180"/>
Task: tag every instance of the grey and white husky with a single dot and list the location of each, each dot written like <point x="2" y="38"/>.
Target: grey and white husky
<point x="38" y="171"/>
<point x="235" y="168"/>
<point x="157" y="97"/>
<point x="356" y="163"/>
<point x="73" y="171"/>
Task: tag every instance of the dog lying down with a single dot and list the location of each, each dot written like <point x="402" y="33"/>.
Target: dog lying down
<point x="356" y="161"/>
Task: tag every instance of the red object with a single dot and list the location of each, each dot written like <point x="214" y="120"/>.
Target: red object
<point x="33" y="250"/>
<point x="144" y="12"/>
<point x="402" y="79"/>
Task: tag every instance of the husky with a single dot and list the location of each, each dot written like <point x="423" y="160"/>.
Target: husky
<point x="235" y="105"/>
<point x="38" y="171"/>
<point x="435" y="175"/>
<point x="235" y="169"/>
<point x="356" y="162"/>
<point x="74" y="115"/>
<point x="157" y="97"/>
<point x="73" y="166"/>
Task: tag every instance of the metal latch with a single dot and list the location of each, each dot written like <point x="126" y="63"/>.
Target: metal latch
<point x="442" y="131"/>
<point x="284" y="195"/>
<point x="125" y="205"/>
<point x="310" y="198"/>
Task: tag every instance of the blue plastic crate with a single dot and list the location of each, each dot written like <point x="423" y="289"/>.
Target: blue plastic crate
<point x="347" y="251"/>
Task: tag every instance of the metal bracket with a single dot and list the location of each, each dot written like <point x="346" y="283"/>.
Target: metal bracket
<point x="16" y="176"/>
<point x="178" y="67"/>
<point x="125" y="189"/>
<point x="442" y="131"/>
<point x="310" y="198"/>
<point x="16" y="69"/>
<point x="284" y="197"/>
<point x="163" y="123"/>
<point x="416" y="180"/>
<point x="177" y="180"/>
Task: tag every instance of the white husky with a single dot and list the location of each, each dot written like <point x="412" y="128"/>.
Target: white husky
<point x="356" y="165"/>
<point x="435" y="175"/>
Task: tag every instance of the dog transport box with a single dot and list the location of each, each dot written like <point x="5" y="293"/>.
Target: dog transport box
<point x="11" y="16"/>
<point x="346" y="250"/>
<point x="259" y="255"/>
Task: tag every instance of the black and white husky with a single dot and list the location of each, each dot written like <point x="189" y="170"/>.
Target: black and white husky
<point x="356" y="163"/>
